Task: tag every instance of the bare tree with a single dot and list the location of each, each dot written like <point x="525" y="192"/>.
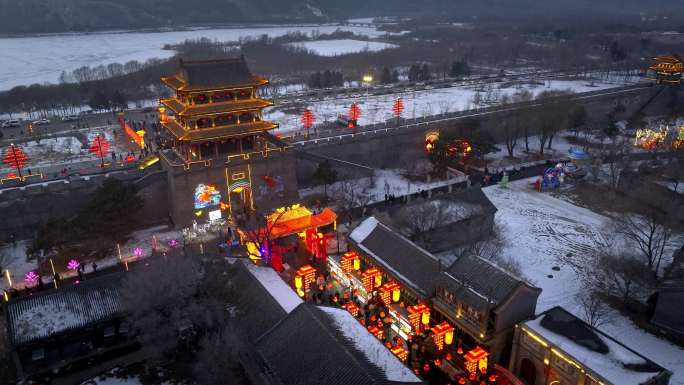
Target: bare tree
<point x="648" y="233"/>
<point x="218" y="357"/>
<point x="170" y="298"/>
<point x="617" y="276"/>
<point x="417" y="220"/>
<point x="594" y="311"/>
<point x="616" y="159"/>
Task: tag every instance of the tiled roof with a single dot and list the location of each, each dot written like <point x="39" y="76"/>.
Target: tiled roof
<point x="669" y="312"/>
<point x="257" y="309"/>
<point x="71" y="307"/>
<point x="216" y="74"/>
<point x="407" y="262"/>
<point x="220" y="132"/>
<point x="306" y="348"/>
<point x="479" y="280"/>
<point x="215" y="108"/>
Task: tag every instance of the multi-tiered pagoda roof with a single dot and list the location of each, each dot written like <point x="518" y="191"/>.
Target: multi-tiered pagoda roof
<point x="214" y="100"/>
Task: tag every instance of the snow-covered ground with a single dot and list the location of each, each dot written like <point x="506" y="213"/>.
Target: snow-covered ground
<point x="38" y="59"/>
<point x="385" y="182"/>
<point x="540" y="229"/>
<point x="342" y="46"/>
<point x="69" y="149"/>
<point x="376" y="109"/>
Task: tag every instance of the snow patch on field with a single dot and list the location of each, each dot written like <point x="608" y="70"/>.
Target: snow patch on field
<point x="341" y="46"/>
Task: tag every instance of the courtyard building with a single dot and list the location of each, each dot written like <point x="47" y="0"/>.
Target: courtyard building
<point x="558" y="348"/>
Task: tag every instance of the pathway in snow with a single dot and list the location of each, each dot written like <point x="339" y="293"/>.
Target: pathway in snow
<point x="540" y="229"/>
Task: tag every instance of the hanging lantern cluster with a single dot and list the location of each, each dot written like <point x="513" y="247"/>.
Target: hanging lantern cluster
<point x="304" y="277"/>
<point x="390" y="292"/>
<point x="440" y="333"/>
<point x="418" y="314"/>
<point x="368" y="278"/>
<point x="350" y="261"/>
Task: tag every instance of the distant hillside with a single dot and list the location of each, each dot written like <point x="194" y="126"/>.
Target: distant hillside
<point x="41" y="16"/>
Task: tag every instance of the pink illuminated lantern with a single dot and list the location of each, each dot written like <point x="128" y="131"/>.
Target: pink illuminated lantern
<point x="31" y="279"/>
<point x="138" y="252"/>
<point x="73" y="265"/>
<point x="173" y="243"/>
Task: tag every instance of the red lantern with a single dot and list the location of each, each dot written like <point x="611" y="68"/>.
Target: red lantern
<point x="16" y="158"/>
<point x="100" y="147"/>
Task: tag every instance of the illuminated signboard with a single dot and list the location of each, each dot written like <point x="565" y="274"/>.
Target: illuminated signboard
<point x="214" y="215"/>
<point x="206" y="196"/>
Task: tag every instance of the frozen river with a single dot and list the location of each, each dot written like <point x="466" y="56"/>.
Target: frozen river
<point x="40" y="59"/>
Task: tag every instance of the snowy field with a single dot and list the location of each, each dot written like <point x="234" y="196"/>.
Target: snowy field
<point x="376" y="109"/>
<point x="38" y="59"/>
<point x="539" y="229"/>
<point x="342" y="46"/>
<point x="385" y="182"/>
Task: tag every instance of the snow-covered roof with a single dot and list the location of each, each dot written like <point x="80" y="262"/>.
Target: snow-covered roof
<point x="363" y="229"/>
<point x="598" y="352"/>
<point x="370" y="346"/>
<point x="319" y="345"/>
<point x="279" y="290"/>
<point x="69" y="308"/>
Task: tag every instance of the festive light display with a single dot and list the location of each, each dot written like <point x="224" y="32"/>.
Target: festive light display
<point x="173" y="243"/>
<point x="206" y="196"/>
<point x="308" y="120"/>
<point x="15" y="157"/>
<point x="400" y="352"/>
<point x="354" y="115"/>
<point x="387" y="292"/>
<point x="31" y="279"/>
<point x="368" y="278"/>
<point x="352" y="309"/>
<point x="100" y="147"/>
<point x="475" y="360"/>
<point x="73" y="265"/>
<point x="308" y="275"/>
<point x="398" y="108"/>
<point x="439" y="333"/>
<point x="348" y="261"/>
<point x="418" y="314"/>
<point x="138" y="252"/>
<point x="431" y="139"/>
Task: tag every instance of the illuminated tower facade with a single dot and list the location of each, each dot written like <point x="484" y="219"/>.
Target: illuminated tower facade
<point x="220" y="158"/>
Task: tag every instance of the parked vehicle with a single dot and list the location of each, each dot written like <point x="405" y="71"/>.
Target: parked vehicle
<point x="41" y="122"/>
<point x="69" y="118"/>
<point x="11" y="123"/>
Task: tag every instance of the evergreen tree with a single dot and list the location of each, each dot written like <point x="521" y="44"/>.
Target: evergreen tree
<point x="424" y="73"/>
<point x="395" y="76"/>
<point x="386" y="77"/>
<point x="327" y="79"/>
<point x="459" y="68"/>
<point x="98" y="101"/>
<point x="325" y="175"/>
<point x="414" y="73"/>
<point x="119" y="100"/>
<point x="338" y="79"/>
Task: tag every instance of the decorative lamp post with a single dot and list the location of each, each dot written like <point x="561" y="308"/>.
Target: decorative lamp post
<point x="367" y="80"/>
<point x="15" y="157"/>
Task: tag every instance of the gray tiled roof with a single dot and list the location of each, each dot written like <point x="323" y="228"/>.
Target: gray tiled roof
<point x="307" y="349"/>
<point x="407" y="262"/>
<point x="258" y="310"/>
<point x="214" y="73"/>
<point x="669" y="312"/>
<point x="481" y="278"/>
<point x="68" y="308"/>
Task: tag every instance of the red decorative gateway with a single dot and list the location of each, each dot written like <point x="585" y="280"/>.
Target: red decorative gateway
<point x="100" y="147"/>
<point x="15" y="157"/>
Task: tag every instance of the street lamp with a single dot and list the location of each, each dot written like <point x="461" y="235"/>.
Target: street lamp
<point x="368" y="79"/>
